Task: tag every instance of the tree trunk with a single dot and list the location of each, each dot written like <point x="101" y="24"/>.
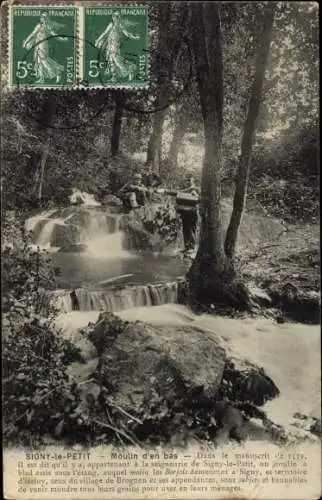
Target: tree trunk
<point x="155" y="141"/>
<point x="45" y="121"/>
<point x="169" y="44"/>
<point x="210" y="282"/>
<point x="42" y="165"/>
<point x="248" y="135"/>
<point x="178" y="134"/>
<point x="209" y="263"/>
<point x="117" y="123"/>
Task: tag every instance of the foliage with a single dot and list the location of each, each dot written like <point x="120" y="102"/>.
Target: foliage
<point x="38" y="394"/>
<point x="285" y="179"/>
<point x="39" y="397"/>
<point x="26" y="273"/>
<point x="80" y="153"/>
<point x="164" y="223"/>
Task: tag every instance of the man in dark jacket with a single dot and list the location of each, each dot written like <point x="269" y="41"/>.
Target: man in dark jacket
<point x="187" y="206"/>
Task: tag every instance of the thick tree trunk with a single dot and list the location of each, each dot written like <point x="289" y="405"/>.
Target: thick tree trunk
<point x="210" y="282"/>
<point x="117" y="123"/>
<point x="209" y="263"/>
<point x="248" y="135"/>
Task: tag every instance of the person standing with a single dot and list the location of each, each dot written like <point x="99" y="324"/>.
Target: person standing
<point x="187" y="202"/>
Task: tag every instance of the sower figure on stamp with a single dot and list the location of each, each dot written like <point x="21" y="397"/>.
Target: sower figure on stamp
<point x="45" y="66"/>
<point x="110" y="44"/>
<point x="133" y="193"/>
<point x="187" y="206"/>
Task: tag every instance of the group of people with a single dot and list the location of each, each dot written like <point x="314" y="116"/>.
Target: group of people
<point x="138" y="191"/>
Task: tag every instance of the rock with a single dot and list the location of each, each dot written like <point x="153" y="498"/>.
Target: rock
<point x="245" y="381"/>
<point x="306" y="425"/>
<point x="182" y="365"/>
<point x="259" y="296"/>
<point x="80" y="217"/>
<point x="76" y="200"/>
<point x="65" y="235"/>
<point x="79" y="340"/>
<point x="264" y="430"/>
<point x="79" y="372"/>
<point x="82" y="370"/>
<point x="297" y="304"/>
<point x="153" y="227"/>
<point x="141" y="362"/>
<point x="104" y="332"/>
<point x="113" y="203"/>
<point x="138" y="238"/>
<point x="316" y="428"/>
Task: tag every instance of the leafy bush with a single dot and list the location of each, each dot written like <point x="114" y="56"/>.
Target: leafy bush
<point x="39" y="397"/>
<point x="26" y="272"/>
<point x="284" y="176"/>
<point x="164" y="222"/>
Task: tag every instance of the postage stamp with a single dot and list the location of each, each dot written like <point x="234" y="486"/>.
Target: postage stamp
<point x="43" y="46"/>
<point x="116" y="50"/>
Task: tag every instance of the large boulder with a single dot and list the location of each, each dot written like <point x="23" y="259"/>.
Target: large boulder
<point x="64" y="235"/>
<point x="139" y="361"/>
<point x="179" y="363"/>
<point x="161" y="383"/>
<point x="244" y="381"/>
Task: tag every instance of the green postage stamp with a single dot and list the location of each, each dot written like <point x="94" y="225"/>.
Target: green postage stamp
<point x="43" y="46"/>
<point x="116" y="45"/>
<point x="70" y="46"/>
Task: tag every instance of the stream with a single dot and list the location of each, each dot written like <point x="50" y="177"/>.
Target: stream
<point x="92" y="257"/>
<point x="145" y="288"/>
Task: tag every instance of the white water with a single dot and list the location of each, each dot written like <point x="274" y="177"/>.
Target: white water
<point x="103" y="238"/>
<point x="100" y="234"/>
<point x="289" y="353"/>
<point x="32" y="222"/>
<point x="87" y="199"/>
<point x="45" y="235"/>
<point x="118" y="300"/>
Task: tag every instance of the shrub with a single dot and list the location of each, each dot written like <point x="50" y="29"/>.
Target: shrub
<point x="39" y="397"/>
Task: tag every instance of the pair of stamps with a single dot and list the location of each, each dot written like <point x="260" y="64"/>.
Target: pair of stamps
<point x="69" y="46"/>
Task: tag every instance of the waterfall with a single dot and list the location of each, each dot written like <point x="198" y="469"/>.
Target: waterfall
<point x="93" y="228"/>
<point x="102" y="236"/>
<point x="117" y="300"/>
<point x="45" y="236"/>
<point x="32" y="222"/>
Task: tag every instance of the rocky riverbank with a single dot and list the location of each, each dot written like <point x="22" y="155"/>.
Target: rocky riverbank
<point x="173" y="383"/>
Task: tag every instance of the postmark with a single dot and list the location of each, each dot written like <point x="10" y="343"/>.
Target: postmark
<point x="43" y="46"/>
<point x="118" y="53"/>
